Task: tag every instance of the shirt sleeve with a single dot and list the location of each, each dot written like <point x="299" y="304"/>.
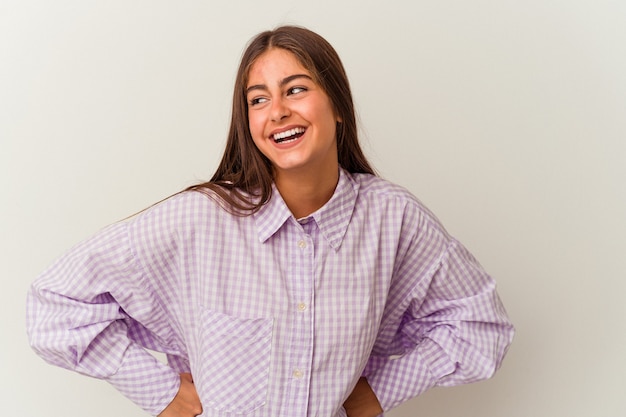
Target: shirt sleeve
<point x="93" y="312"/>
<point x="453" y="329"/>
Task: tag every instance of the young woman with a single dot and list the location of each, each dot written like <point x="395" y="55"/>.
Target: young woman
<point x="294" y="283"/>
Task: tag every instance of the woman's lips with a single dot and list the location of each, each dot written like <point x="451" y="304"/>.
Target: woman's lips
<point x="288" y="135"/>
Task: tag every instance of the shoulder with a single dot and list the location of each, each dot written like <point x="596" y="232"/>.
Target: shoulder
<point x="395" y="200"/>
<point x="184" y="202"/>
<point x="376" y="189"/>
<point x="182" y="210"/>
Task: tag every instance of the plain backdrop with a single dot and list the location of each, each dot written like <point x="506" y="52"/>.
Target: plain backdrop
<point x="506" y="118"/>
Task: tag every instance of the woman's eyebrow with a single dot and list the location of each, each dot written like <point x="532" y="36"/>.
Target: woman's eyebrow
<point x="287" y="80"/>
<point x="282" y="83"/>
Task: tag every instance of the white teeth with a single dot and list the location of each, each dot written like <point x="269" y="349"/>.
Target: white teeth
<point x="288" y="133"/>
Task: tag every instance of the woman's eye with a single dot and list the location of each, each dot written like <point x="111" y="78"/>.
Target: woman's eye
<point x="257" y="100"/>
<point x="296" y="90"/>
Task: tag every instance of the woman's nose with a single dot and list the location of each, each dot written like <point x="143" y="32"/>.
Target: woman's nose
<point x="279" y="110"/>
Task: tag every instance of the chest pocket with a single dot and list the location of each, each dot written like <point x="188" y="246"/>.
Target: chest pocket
<point x="235" y="362"/>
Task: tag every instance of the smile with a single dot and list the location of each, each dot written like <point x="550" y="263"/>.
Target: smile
<point x="288" y="135"/>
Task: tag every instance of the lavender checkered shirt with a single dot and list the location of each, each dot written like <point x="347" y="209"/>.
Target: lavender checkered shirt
<point x="273" y="316"/>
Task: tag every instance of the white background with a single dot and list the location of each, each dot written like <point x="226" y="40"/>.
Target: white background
<point x="507" y="118"/>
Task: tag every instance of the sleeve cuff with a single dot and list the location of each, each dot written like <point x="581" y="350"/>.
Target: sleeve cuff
<point x="145" y="380"/>
<point x="400" y="379"/>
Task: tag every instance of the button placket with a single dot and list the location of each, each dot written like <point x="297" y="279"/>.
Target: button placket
<point x="300" y="361"/>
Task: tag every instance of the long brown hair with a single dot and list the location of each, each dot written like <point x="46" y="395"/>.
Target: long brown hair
<point x="243" y="179"/>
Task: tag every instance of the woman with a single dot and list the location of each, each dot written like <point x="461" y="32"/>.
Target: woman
<point x="294" y="283"/>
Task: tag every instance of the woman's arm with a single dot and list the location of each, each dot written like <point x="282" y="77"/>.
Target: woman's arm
<point x="81" y="315"/>
<point x="454" y="331"/>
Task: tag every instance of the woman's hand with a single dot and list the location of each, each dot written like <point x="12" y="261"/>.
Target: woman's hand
<point x="362" y="402"/>
<point x="186" y="403"/>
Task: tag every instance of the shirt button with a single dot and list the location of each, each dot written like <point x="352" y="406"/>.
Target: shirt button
<point x="302" y="244"/>
<point x="301" y="306"/>
<point x="298" y="374"/>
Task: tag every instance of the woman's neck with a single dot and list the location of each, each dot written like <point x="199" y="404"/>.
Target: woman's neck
<point x="306" y="193"/>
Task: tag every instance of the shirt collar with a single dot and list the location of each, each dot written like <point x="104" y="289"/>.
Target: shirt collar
<point x="332" y="219"/>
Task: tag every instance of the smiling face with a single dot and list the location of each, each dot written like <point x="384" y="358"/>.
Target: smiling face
<point x="291" y="118"/>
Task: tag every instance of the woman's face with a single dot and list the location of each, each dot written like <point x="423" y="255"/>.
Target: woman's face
<point x="291" y="118"/>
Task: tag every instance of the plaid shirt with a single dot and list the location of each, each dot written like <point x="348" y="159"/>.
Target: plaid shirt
<point x="273" y="316"/>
